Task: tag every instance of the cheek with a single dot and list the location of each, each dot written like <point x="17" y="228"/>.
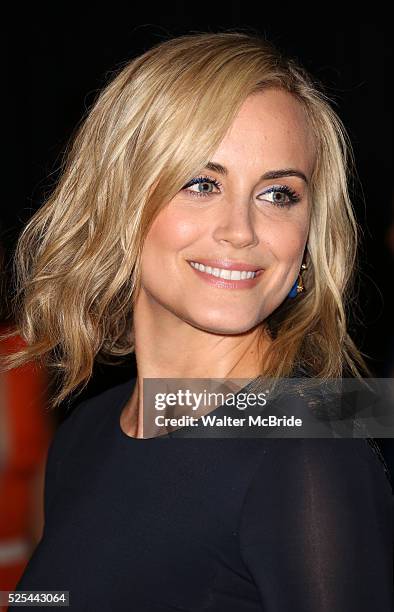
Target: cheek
<point x="286" y="240"/>
<point x="170" y="232"/>
<point x="167" y="242"/>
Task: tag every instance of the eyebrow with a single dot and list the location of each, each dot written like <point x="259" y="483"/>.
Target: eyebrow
<point x="271" y="174"/>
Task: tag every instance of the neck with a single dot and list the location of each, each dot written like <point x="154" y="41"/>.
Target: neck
<point x="167" y="346"/>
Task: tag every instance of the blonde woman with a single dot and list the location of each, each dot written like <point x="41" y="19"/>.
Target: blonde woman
<point x="209" y="153"/>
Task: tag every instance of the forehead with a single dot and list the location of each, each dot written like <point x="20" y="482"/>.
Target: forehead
<point x="271" y="128"/>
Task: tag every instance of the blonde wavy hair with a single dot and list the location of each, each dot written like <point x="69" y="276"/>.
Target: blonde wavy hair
<point x="151" y="128"/>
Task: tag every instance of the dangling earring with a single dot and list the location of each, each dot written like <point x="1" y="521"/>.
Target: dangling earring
<point x="298" y="286"/>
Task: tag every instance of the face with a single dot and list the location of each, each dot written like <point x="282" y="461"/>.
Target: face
<point x="235" y="216"/>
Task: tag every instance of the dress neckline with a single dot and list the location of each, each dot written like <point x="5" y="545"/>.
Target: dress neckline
<point x="128" y="389"/>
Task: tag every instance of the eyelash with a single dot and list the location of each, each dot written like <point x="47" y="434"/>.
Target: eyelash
<point x="292" y="195"/>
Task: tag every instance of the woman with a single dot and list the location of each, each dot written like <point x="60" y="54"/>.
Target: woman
<point x="207" y="154"/>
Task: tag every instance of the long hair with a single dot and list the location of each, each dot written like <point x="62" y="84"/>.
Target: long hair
<point x="154" y="125"/>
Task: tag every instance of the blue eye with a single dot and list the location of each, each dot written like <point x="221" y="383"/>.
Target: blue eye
<point x="292" y="195"/>
<point x="208" y="182"/>
<point x="199" y="181"/>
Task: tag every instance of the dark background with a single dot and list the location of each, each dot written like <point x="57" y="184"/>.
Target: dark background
<point x="57" y="63"/>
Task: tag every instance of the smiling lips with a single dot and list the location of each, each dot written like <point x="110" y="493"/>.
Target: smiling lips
<point x="225" y="270"/>
<point x="227" y="264"/>
<point x="223" y="273"/>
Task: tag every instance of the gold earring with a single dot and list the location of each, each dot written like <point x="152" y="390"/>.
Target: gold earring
<point x="300" y="283"/>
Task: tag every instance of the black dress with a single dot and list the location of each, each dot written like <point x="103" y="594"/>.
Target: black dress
<point x="229" y="525"/>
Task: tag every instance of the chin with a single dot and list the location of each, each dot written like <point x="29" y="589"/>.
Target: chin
<point x="224" y="326"/>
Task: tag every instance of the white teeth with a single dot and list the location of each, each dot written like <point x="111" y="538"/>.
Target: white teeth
<point x="223" y="273"/>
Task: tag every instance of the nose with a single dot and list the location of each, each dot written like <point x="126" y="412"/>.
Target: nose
<point x="235" y="223"/>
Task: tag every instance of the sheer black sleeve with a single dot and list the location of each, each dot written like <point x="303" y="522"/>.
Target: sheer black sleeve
<point x="316" y="531"/>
